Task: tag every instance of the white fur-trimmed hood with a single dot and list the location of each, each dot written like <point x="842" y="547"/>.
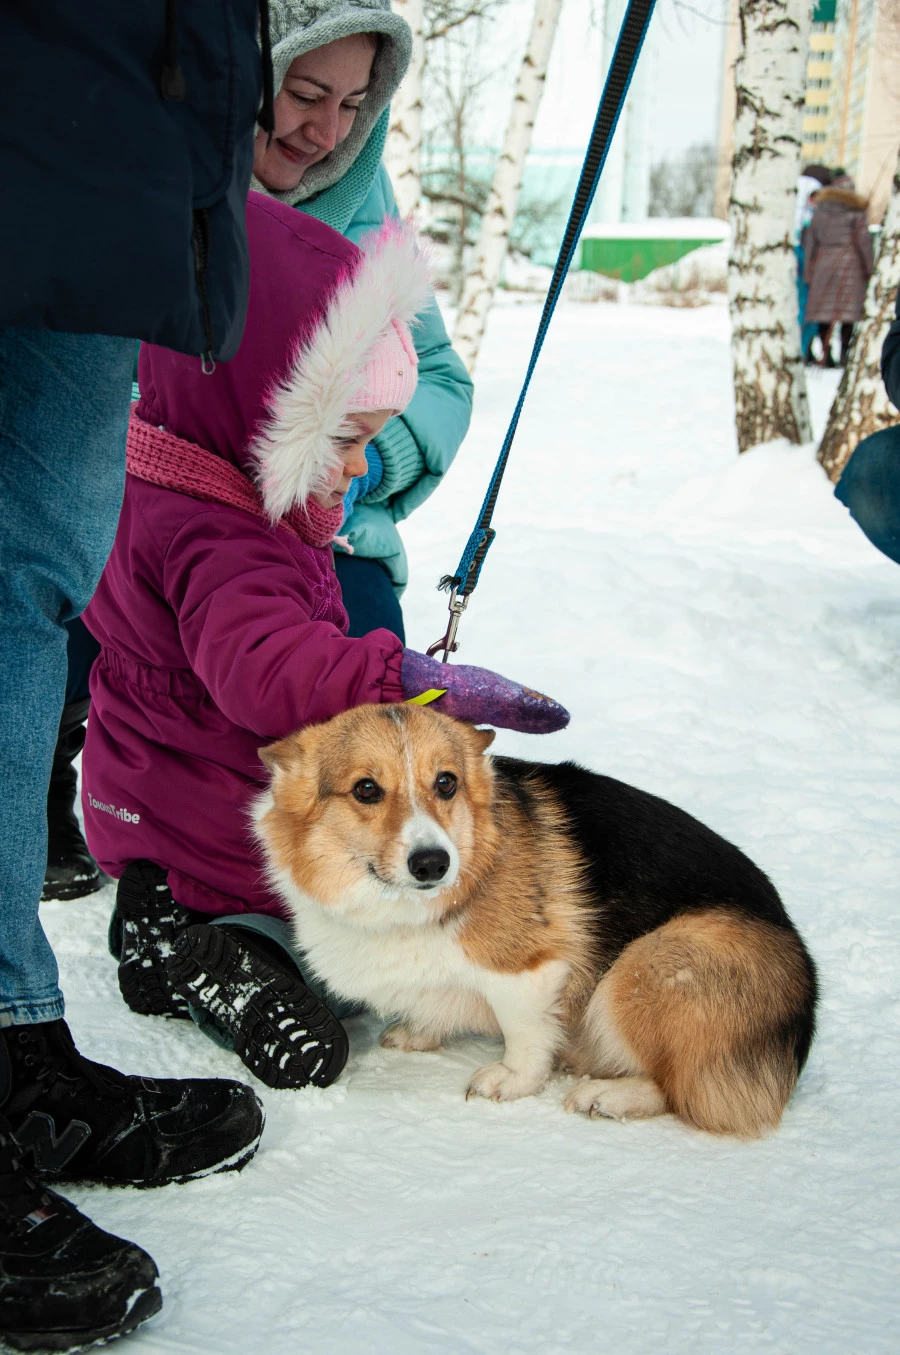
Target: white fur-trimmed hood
<point x="294" y="451"/>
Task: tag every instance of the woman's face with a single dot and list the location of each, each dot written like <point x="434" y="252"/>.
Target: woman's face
<point x="314" y="110"/>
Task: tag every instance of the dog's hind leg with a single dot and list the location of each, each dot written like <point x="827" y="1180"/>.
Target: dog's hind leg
<point x="613" y="1084"/>
<point x="714" y="1009"/>
<point x="616" y="1098"/>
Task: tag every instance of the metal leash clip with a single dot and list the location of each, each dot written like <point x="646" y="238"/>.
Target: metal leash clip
<point x="448" y="642"/>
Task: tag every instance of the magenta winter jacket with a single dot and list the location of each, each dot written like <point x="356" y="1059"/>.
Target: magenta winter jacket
<point x="219" y="633"/>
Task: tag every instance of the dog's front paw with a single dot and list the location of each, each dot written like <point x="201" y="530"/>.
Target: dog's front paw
<point x="498" y="1082"/>
<point x="615" y="1098"/>
<point x="401" y="1036"/>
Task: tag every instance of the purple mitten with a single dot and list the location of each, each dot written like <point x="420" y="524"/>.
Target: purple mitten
<point x="480" y="696"/>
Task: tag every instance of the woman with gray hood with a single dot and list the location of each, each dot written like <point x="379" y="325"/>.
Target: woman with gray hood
<point x="337" y="64"/>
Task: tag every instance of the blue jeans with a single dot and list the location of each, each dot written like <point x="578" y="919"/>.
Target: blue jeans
<point x="870" y="488"/>
<point x="64" y="403"/>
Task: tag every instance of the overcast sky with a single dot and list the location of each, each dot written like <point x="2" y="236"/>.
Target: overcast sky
<point x="687" y="41"/>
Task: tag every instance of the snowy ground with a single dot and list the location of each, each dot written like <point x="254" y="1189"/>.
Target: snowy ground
<point x="723" y="636"/>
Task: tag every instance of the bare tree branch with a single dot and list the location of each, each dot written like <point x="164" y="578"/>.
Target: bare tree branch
<point x="500" y="211"/>
<point x="443" y="16"/>
<point x="453" y="195"/>
<point x="685" y="185"/>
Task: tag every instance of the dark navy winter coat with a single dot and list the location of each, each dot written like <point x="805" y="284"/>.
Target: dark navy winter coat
<point x="123" y="210"/>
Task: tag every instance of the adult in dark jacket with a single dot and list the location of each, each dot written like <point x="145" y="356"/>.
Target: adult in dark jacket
<point x="140" y="119"/>
<point x="870" y="484"/>
<point x="838" y="261"/>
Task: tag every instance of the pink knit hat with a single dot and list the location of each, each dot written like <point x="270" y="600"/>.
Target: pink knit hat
<point x="390" y="374"/>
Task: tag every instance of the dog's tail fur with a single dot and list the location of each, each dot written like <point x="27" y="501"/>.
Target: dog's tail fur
<point x="715" y="1007"/>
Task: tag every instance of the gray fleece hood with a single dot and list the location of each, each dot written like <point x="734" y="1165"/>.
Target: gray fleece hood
<point x="299" y="26"/>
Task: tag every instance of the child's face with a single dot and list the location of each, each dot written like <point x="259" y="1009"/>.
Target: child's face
<point x="353" y="453"/>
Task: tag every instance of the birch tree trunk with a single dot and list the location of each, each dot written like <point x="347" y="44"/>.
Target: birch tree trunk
<point x="403" y="149"/>
<point x="770" y="75"/>
<point x="493" y="237"/>
<point x="861" y="406"/>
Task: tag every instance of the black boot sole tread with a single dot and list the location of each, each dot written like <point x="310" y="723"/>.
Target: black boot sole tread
<point x="282" y="1032"/>
<point x="150" y="922"/>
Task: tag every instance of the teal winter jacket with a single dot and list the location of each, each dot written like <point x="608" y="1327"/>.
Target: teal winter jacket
<point x="419" y="445"/>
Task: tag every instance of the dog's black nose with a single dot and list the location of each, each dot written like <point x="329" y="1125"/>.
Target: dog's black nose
<point x="429" y="864"/>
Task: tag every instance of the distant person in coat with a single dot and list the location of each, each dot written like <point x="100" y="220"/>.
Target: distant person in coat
<point x="838" y="262"/>
<point x="812" y="179"/>
<point x="870" y="484"/>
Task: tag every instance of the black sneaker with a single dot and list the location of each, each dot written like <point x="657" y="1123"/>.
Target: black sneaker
<point x="283" y="1033"/>
<point x="142" y="936"/>
<point x="71" y="872"/>
<point x="65" y="1284"/>
<point x="83" y="1121"/>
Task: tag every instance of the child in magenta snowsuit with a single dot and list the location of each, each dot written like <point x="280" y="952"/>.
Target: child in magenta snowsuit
<point x="221" y="626"/>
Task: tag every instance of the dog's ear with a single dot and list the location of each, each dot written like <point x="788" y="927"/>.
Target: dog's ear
<point x="283" y="755"/>
<point x="483" y="738"/>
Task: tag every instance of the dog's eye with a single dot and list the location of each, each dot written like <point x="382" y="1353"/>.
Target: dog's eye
<point x="368" y="792"/>
<point x="445" y="785"/>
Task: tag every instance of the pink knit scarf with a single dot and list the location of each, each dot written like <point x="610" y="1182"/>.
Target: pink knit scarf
<point x="163" y="459"/>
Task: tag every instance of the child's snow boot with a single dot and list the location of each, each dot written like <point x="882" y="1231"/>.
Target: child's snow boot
<point x="65" y="1284"/>
<point x="83" y="1121"/>
<point x="71" y="871"/>
<point x="142" y="936"/>
<point x="255" y="994"/>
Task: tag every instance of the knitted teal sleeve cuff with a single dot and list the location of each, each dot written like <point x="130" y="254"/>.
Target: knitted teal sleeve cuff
<point x="404" y="464"/>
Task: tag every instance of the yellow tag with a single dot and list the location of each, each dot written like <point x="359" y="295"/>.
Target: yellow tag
<point x="426" y="698"/>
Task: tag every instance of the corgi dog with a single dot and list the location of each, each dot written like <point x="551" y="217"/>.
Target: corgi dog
<point x="589" y="924"/>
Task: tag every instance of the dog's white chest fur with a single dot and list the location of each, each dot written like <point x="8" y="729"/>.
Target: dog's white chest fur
<point x="383" y="968"/>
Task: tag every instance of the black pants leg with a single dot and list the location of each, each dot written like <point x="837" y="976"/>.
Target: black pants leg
<point x="846" y="336"/>
<point x="71" y="870"/>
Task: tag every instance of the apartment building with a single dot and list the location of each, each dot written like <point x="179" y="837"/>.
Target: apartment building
<point x="863" y="125"/>
<point x="851" y="110"/>
<point x="819" y="84"/>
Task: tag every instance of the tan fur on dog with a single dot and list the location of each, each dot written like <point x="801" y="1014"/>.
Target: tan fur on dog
<point x="692" y="1005"/>
<point x="685" y="1018"/>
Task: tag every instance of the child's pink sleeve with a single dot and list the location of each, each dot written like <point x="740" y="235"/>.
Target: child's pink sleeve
<point x="244" y="616"/>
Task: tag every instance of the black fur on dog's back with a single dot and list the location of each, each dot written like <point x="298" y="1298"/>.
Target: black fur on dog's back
<point x="646" y="861"/>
